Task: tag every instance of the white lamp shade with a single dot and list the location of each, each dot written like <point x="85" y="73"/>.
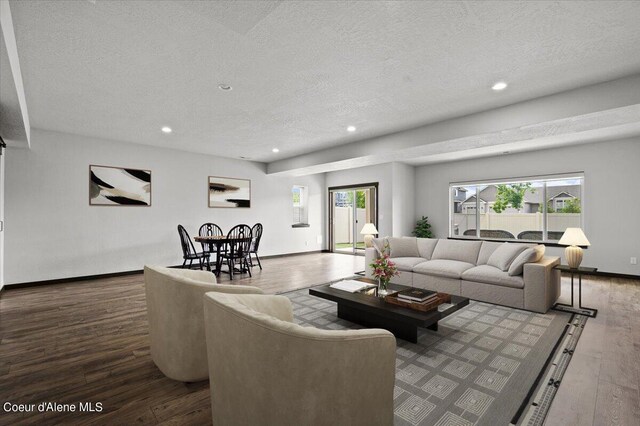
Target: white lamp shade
<point x="574" y="237"/>
<point x="369" y="229"/>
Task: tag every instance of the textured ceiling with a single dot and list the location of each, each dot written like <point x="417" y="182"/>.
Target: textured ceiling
<point x="302" y="71"/>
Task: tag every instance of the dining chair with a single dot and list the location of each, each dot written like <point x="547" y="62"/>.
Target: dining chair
<point x="211" y="230"/>
<point x="238" y="249"/>
<point x="189" y="252"/>
<point x="256" y="234"/>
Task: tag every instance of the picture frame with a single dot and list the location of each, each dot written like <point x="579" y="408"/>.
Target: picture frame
<point x="119" y="186"/>
<point x="226" y="192"/>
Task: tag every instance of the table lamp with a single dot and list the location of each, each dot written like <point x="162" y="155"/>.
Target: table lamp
<point x="573" y="237"/>
<point x="369" y="230"/>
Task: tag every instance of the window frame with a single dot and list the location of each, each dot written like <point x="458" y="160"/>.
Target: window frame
<point x="303" y="207"/>
<point x="545" y="201"/>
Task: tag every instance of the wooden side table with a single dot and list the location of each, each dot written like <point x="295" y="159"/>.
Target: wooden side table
<point x="582" y="310"/>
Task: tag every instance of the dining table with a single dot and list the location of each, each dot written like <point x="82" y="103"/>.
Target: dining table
<point x="219" y="242"/>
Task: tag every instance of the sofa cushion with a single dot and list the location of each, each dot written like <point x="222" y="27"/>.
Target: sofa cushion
<point x="403" y="247"/>
<point x="462" y="251"/>
<point x="491" y="275"/>
<point x="504" y="255"/>
<point x="406" y="263"/>
<point x="426" y="246"/>
<point x="530" y="255"/>
<point x="487" y="249"/>
<point x="442" y="268"/>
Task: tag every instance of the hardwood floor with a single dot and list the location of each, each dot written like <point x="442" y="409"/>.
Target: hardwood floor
<point x="602" y="383"/>
<point x="88" y="342"/>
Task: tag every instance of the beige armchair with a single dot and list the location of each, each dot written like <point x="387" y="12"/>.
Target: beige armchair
<point x="266" y="370"/>
<point x="175" y="312"/>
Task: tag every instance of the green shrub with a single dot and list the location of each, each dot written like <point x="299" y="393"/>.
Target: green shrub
<point x="423" y="228"/>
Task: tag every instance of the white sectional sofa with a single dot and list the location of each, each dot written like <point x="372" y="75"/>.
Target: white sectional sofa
<point x="510" y="274"/>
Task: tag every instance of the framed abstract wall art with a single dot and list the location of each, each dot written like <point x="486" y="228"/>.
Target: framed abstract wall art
<point x="229" y="192"/>
<point x="117" y="186"/>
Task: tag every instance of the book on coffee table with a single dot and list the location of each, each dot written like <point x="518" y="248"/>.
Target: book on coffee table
<point x="417" y="295"/>
<point x="352" y="286"/>
<point x="426" y="301"/>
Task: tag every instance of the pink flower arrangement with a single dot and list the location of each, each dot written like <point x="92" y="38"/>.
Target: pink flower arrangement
<point x="384" y="268"/>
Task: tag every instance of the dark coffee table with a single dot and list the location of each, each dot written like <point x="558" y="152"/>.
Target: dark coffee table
<point x="367" y="309"/>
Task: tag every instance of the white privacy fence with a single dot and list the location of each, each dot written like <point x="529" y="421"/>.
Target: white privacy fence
<point x="343" y="224"/>
<point x="515" y="222"/>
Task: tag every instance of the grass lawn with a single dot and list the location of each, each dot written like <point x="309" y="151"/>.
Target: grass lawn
<point x="359" y="245"/>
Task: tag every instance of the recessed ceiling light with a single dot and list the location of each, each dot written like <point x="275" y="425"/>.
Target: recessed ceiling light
<point x="351" y="129"/>
<point x="166" y="129"/>
<point x="500" y="85"/>
<point x="276" y="150"/>
<point x="224" y="86"/>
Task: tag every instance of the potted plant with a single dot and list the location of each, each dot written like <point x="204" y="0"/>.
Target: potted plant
<point x="423" y="228"/>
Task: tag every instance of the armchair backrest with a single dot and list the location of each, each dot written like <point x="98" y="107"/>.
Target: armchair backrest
<point x="175" y="313"/>
<point x="293" y="374"/>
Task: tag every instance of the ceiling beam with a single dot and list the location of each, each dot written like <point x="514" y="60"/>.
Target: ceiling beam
<point x="18" y="137"/>
<point x="588" y="114"/>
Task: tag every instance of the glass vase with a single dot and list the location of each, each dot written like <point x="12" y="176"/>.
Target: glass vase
<point x="382" y="287"/>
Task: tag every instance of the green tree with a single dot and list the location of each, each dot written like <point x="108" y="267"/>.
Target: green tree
<point x="511" y="195"/>
<point x="361" y="199"/>
<point x="423" y="228"/>
<point x="571" y="206"/>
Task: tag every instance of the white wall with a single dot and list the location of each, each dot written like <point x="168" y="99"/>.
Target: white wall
<point x="52" y="232"/>
<point x="396" y="194"/>
<point x="404" y="195"/>
<point x="47" y="210"/>
<point x="611" y="191"/>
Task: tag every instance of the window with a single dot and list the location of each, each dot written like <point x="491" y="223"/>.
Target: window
<point x="532" y="209"/>
<point x="300" y="209"/>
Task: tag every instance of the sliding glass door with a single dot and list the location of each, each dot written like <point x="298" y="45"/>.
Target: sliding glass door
<point x="350" y="208"/>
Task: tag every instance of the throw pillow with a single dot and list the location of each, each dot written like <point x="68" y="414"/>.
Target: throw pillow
<point x="462" y="251"/>
<point x="505" y="255"/>
<point x="403" y="247"/>
<point x="378" y="244"/>
<point x="426" y="246"/>
<point x="487" y="249"/>
<point x="530" y="255"/>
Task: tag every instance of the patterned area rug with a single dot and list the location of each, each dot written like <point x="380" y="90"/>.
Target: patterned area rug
<point x="477" y="369"/>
